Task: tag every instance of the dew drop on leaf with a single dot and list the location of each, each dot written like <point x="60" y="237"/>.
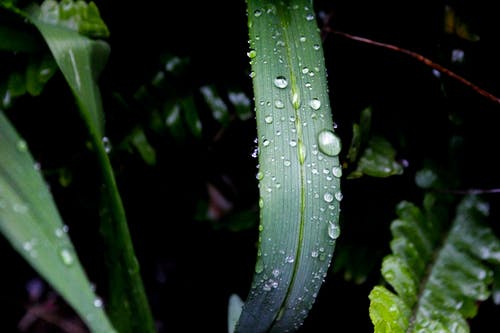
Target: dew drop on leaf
<point x="279" y="104"/>
<point x="268" y="119"/>
<point x="315" y="104"/>
<point x="333" y="230"/>
<point x="280" y="82"/>
<point x="329" y="143"/>
<point x="66" y="256"/>
<point x="337" y="171"/>
<point x="328" y="197"/>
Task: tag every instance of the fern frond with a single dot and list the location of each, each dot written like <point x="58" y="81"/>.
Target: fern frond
<point x="438" y="272"/>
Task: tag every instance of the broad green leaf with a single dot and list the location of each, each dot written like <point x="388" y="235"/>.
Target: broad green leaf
<point x="299" y="171"/>
<point x="31" y="222"/>
<point x="438" y="272"/>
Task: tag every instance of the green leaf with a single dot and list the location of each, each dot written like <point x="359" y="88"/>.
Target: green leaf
<point x="438" y="273"/>
<point x="30" y="221"/>
<point x="299" y="173"/>
<point x="75" y="15"/>
<point x="378" y="160"/>
<point x="81" y="59"/>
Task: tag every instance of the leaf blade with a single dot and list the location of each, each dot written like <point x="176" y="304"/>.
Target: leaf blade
<point x="30" y="221"/>
<point x="299" y="172"/>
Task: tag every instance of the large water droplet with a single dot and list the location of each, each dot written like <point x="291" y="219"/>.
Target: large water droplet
<point x="315" y="104"/>
<point x="339" y="196"/>
<point x="251" y="54"/>
<point x="333" y="230"/>
<point x="329" y="143"/>
<point x="280" y="82"/>
<point x="259" y="175"/>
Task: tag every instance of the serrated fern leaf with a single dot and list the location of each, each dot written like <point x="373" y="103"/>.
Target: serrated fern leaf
<point x="438" y="273"/>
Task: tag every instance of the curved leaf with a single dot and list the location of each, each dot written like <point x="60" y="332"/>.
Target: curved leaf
<point x="438" y="273"/>
<point x="299" y="172"/>
<point x="30" y="221"/>
<point x="81" y="60"/>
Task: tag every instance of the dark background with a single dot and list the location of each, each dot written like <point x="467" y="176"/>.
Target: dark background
<point x="191" y="267"/>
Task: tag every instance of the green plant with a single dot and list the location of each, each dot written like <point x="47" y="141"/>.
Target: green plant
<point x="444" y="260"/>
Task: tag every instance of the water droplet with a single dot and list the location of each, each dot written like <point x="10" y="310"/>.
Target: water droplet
<point x="266" y="142"/>
<point x="22" y="146"/>
<point x="287" y="163"/>
<point x="329" y="143"/>
<point x="98" y="302"/>
<point x="280" y="82"/>
<point x="337" y="171"/>
<point x="261" y="202"/>
<point x="251" y="54"/>
<point x="305" y="70"/>
<point x="276" y="272"/>
<point x="66" y="256"/>
<point x="302" y="39"/>
<point x="279" y="104"/>
<point x="293" y="143"/>
<point x="268" y="119"/>
<point x="252" y="74"/>
<point x="328" y="197"/>
<point x="316" y="47"/>
<point x="259" y="175"/>
<point x="314" y="254"/>
<point x="106" y="144"/>
<point x="339" y="196"/>
<point x="289" y="259"/>
<point x="310" y="17"/>
<point x="315" y="104"/>
<point x="261" y="227"/>
<point x="333" y="231"/>
<point x="257" y="13"/>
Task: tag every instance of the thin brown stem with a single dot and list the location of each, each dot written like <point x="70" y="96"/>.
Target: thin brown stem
<point x="420" y="58"/>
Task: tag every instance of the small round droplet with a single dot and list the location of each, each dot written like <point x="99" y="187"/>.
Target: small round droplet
<point x="287" y="163"/>
<point x="22" y="146"/>
<point x="276" y="272"/>
<point x="268" y="119"/>
<point x="106" y="144"/>
<point x="279" y="104"/>
<point x="66" y="256"/>
<point x="251" y="54"/>
<point x="316" y="47"/>
<point x="333" y="230"/>
<point x="261" y="202"/>
<point x="305" y="70"/>
<point x="259" y="175"/>
<point x="280" y="82"/>
<point x="328" y="197"/>
<point x="98" y="302"/>
<point x="337" y="171"/>
<point x="265" y="143"/>
<point x="329" y="143"/>
<point x="310" y="17"/>
<point x="257" y="13"/>
<point x="339" y="196"/>
<point x="293" y="143"/>
<point x="302" y="39"/>
<point x="315" y="104"/>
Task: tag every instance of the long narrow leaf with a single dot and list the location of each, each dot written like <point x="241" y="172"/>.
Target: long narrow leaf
<point x="438" y="275"/>
<point x="30" y="221"/>
<point x="299" y="172"/>
<point x="81" y="59"/>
